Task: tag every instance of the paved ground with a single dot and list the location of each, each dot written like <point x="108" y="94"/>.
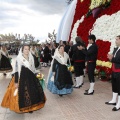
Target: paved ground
<point x="70" y="107"/>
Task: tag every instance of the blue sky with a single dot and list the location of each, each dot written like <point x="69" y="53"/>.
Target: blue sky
<point x="36" y="17"/>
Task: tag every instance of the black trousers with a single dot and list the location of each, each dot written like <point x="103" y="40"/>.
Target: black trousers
<point x="78" y="68"/>
<point x="116" y="83"/>
<point x="46" y="58"/>
<point x="91" y="68"/>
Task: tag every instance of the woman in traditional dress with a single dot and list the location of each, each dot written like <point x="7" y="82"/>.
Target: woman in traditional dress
<point x="60" y="79"/>
<point x="24" y="93"/>
<point x="5" y="65"/>
<point x="35" y="56"/>
<point x="50" y="54"/>
<point x="50" y="73"/>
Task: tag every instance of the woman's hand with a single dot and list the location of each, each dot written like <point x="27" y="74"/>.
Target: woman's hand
<point x="16" y="85"/>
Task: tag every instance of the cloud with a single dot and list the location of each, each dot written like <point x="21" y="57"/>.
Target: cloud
<point x="37" y="17"/>
<point x="42" y="6"/>
<point x="48" y="6"/>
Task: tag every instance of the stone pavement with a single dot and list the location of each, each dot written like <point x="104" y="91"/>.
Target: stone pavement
<point x="75" y="106"/>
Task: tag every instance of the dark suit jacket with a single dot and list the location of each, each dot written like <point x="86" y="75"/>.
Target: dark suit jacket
<point x="116" y="59"/>
<point x="91" y="53"/>
<point x="76" y="53"/>
<point x="66" y="48"/>
<point x="46" y="51"/>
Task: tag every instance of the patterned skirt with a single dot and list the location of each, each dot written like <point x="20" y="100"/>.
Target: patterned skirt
<point x="10" y="101"/>
<point x="53" y="89"/>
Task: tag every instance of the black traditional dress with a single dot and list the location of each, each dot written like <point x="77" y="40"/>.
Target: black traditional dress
<point x="35" y="56"/>
<point x="5" y="65"/>
<point x="62" y="83"/>
<point x="30" y="95"/>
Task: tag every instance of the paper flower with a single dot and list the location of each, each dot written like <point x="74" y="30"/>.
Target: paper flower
<point x="99" y="62"/>
<point x="40" y="76"/>
<point x="71" y="68"/>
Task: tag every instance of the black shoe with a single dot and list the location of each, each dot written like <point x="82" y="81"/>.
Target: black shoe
<point x="31" y="112"/>
<point x="86" y="93"/>
<point x="115" y="109"/>
<point x="60" y="95"/>
<point x="76" y="87"/>
<point x="87" y="90"/>
<point x="110" y="103"/>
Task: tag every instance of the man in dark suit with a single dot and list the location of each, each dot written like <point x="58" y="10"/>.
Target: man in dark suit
<point x="78" y="58"/>
<point x="91" y="57"/>
<point x="66" y="46"/>
<point x="70" y="52"/>
<point x="115" y="59"/>
<point x="45" y="55"/>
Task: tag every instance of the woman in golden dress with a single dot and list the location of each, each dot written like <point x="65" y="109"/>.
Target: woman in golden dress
<point x="24" y="93"/>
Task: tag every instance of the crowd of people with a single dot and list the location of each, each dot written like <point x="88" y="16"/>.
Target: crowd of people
<point x="25" y="93"/>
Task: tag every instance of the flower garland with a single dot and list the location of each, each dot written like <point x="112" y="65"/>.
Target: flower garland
<point x="74" y="31"/>
<point x="98" y="3"/>
<point x="97" y="6"/>
<point x="107" y="27"/>
<point x="104" y="64"/>
<point x="79" y="12"/>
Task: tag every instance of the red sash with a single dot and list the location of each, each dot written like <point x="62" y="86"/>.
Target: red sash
<point x="79" y="60"/>
<point x="114" y="69"/>
<point x="90" y="61"/>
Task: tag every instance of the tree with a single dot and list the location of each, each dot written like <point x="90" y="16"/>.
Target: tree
<point x="52" y="36"/>
<point x="17" y="39"/>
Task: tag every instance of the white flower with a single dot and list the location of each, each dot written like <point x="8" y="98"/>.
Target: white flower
<point x="107" y="27"/>
<point x="74" y="31"/>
